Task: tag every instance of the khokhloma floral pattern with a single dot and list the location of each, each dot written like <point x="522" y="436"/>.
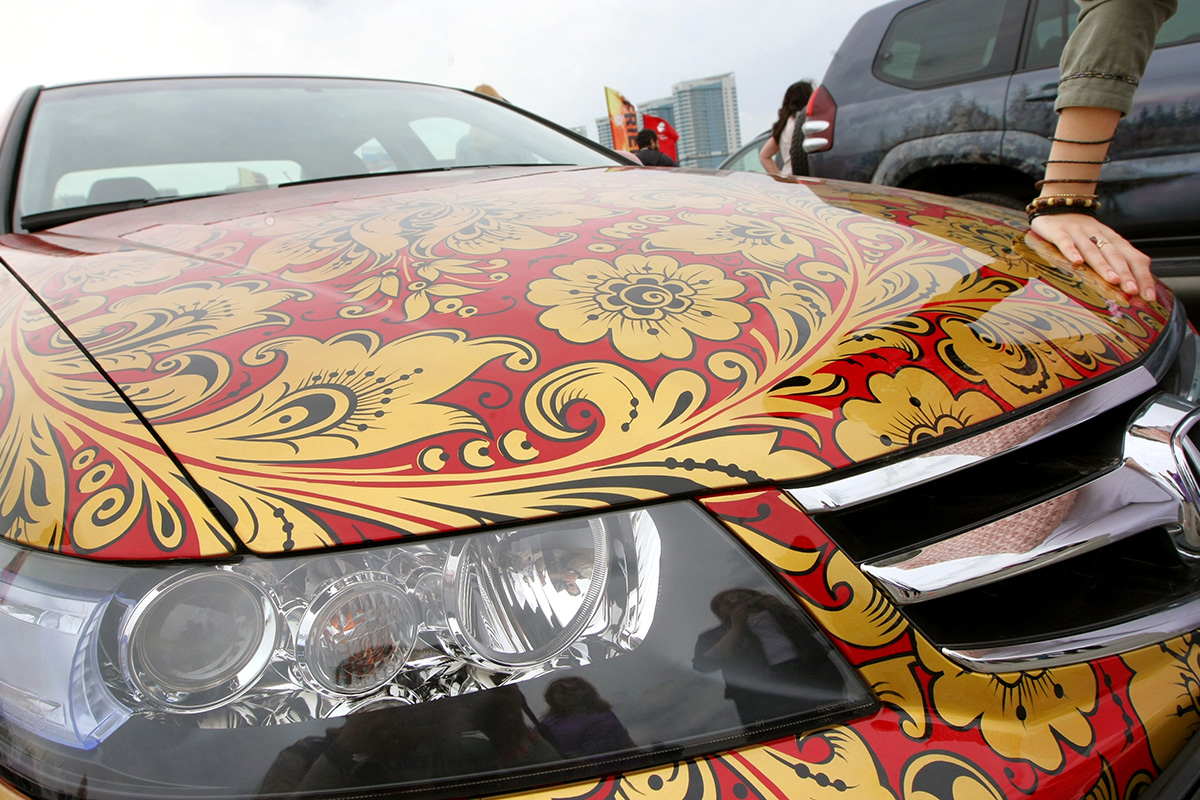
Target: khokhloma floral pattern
<point x="465" y="353"/>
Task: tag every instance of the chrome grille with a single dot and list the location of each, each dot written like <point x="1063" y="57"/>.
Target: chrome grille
<point x="1068" y="533"/>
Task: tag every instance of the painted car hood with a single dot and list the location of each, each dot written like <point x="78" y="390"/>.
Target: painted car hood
<point x="365" y="360"/>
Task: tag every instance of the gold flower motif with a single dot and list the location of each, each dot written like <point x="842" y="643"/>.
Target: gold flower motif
<point x="1165" y="691"/>
<point x="331" y="243"/>
<point x="770" y="242"/>
<point x="842" y="766"/>
<point x="1021" y="715"/>
<point x="135" y="330"/>
<point x="909" y="408"/>
<point x="650" y="306"/>
<point x="1022" y="352"/>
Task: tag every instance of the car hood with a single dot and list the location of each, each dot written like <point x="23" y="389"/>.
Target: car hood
<point x="359" y="361"/>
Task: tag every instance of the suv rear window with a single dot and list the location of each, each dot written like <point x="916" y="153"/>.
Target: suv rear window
<point x="946" y="41"/>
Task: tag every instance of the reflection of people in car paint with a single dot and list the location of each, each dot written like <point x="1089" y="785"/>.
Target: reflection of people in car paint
<point x="769" y="655"/>
<point x="580" y="721"/>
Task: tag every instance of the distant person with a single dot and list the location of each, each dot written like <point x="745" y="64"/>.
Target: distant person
<point x="485" y="88"/>
<point x="481" y="147"/>
<point x="1100" y="69"/>
<point x="648" y="152"/>
<point x="786" y="132"/>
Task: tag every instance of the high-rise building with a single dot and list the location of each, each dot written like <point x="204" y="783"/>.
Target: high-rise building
<point x="706" y="116"/>
<point x="663" y="108"/>
<point x="604" y="132"/>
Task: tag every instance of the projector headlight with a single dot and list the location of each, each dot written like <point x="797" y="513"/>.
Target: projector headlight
<point x="198" y="639"/>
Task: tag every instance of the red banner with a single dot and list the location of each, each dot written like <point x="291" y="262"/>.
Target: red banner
<point x="667" y="135"/>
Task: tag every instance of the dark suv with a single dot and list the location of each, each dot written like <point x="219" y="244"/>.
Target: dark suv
<point x="957" y="97"/>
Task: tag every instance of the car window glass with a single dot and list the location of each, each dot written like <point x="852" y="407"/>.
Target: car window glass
<point x="1183" y="27"/>
<point x="375" y="156"/>
<point x="747" y="160"/>
<point x="1053" y="21"/>
<point x="441" y="135"/>
<point x="942" y="41"/>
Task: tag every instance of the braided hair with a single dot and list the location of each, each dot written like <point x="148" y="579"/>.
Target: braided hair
<point x="794" y="101"/>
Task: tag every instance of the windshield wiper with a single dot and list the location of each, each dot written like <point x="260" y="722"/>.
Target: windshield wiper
<point x="423" y="170"/>
<point x="61" y="216"/>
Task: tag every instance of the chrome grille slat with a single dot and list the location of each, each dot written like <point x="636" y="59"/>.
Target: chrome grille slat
<point x="901" y="474"/>
<point x="1144" y="492"/>
<point x="896" y="476"/>
<point x="1145" y="631"/>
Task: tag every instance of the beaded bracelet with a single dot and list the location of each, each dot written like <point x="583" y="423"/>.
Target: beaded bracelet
<point x="1063" y="204"/>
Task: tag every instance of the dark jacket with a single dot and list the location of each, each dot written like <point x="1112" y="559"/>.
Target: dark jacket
<point x="655" y="158"/>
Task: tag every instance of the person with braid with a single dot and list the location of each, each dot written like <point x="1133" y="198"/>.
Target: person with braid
<point x="785" y="130"/>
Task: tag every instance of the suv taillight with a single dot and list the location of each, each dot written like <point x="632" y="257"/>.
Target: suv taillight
<point x="818" y="122"/>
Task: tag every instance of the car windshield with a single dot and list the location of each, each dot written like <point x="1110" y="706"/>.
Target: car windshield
<point x="107" y="143"/>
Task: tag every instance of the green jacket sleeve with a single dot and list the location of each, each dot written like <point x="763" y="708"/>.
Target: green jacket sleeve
<point x="1106" y="55"/>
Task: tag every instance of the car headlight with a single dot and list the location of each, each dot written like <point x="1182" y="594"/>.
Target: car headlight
<point x="194" y="679"/>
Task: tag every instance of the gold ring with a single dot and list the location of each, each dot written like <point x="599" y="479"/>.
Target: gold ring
<point x="1098" y="241"/>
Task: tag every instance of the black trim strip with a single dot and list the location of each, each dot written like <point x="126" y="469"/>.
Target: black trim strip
<point x="11" y="148"/>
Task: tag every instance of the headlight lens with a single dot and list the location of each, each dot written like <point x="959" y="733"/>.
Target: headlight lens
<point x="198" y="639"/>
<point x="416" y="665"/>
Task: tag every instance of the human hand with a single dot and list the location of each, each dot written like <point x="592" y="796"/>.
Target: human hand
<point x="1083" y="239"/>
<point x="740" y="613"/>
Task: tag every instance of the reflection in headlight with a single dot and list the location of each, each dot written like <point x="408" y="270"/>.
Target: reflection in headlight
<point x="523" y="598"/>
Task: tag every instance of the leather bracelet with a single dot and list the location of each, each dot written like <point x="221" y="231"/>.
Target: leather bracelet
<point x="1040" y="184"/>
<point x="1063" y="204"/>
<point x="1080" y="141"/>
<point x="1066" y="161"/>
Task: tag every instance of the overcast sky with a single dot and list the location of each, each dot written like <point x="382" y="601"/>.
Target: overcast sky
<point x="553" y="58"/>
